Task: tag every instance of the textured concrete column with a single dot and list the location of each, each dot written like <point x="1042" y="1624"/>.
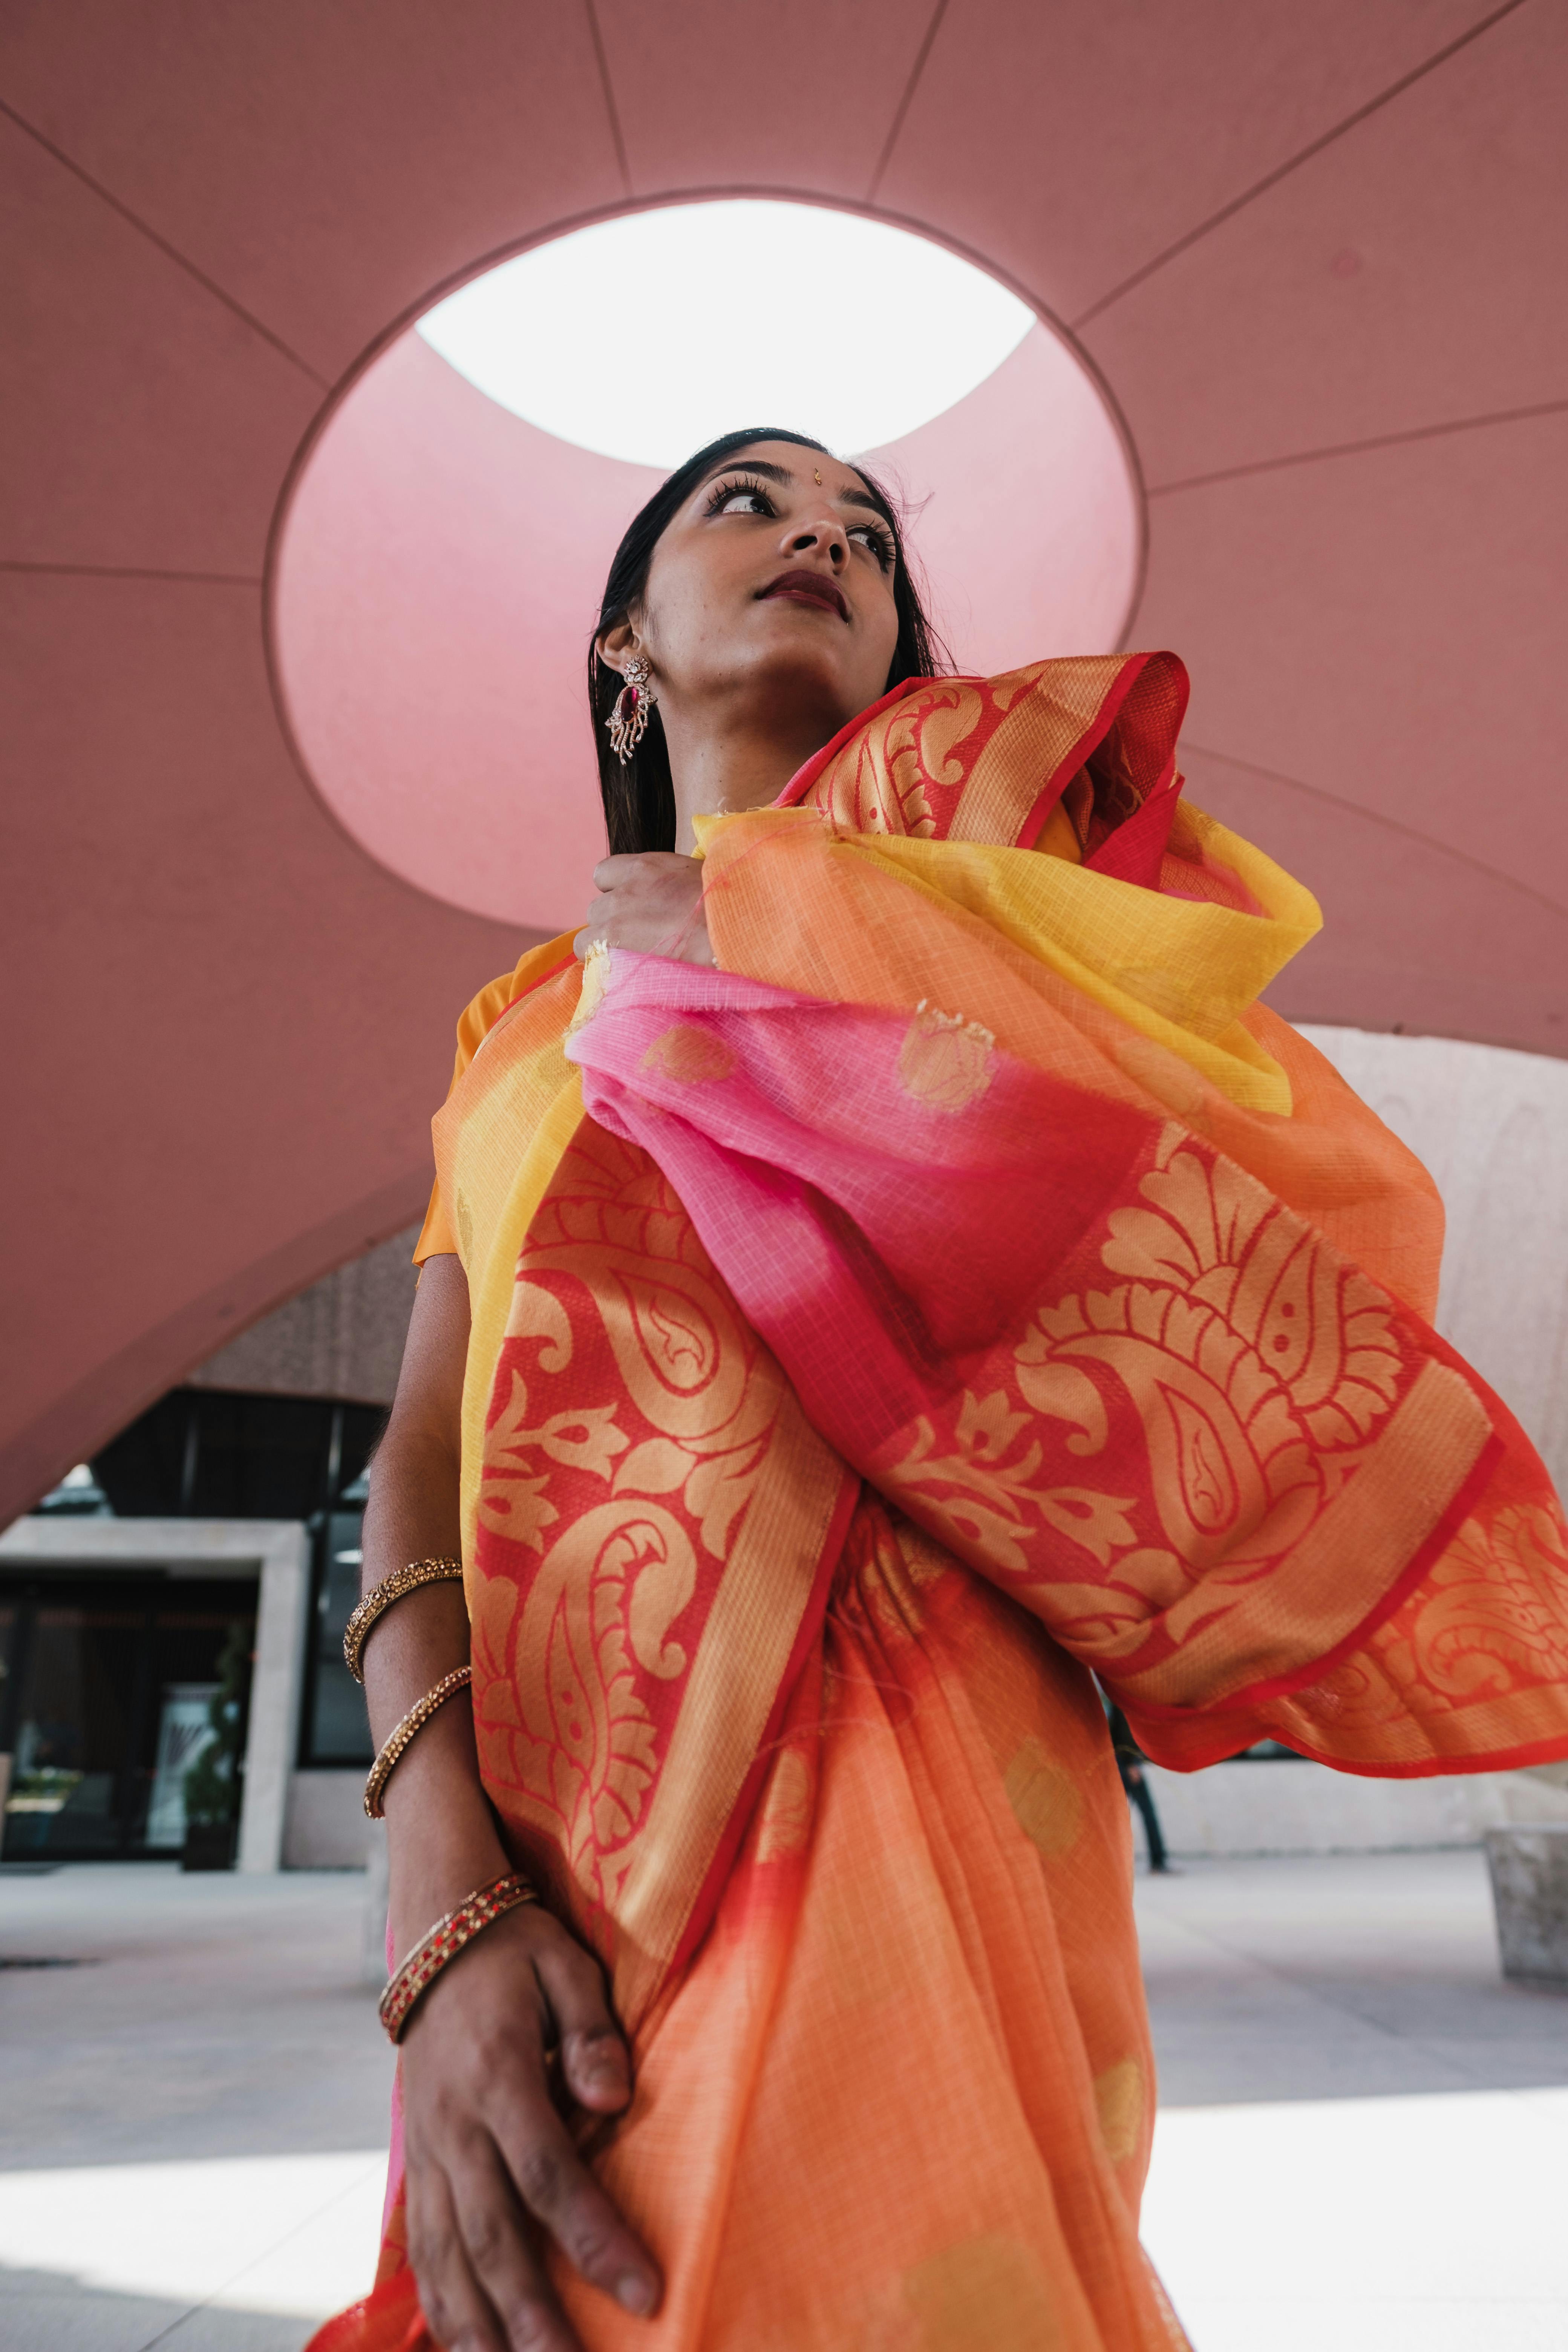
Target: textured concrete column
<point x="276" y="1685"/>
<point x="1530" y="1887"/>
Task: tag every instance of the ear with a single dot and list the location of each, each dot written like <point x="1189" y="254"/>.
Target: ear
<point x="615" y="647"/>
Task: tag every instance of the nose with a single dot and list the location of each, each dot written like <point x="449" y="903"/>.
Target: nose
<point x="828" y="535"/>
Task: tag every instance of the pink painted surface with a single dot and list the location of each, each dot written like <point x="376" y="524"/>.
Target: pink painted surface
<point x="1026" y="517"/>
<point x="227" y="1023"/>
<point x="439" y="573"/>
<point x="1074" y="145"/>
<point x="1373" y="291"/>
<point x="437" y="584"/>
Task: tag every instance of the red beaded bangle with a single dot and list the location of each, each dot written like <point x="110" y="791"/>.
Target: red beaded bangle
<point x="445" y="1941"/>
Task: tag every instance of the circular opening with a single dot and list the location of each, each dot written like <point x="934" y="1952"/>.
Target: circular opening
<point x="644" y="337"/>
<point x="440" y="565"/>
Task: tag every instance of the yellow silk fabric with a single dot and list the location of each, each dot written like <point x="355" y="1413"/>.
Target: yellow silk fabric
<point x="1181" y="972"/>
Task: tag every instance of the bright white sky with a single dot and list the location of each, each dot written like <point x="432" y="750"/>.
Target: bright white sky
<point x="645" y="337"/>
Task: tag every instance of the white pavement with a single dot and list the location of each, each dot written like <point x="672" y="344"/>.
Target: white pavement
<point x="193" y="2121"/>
<point x="1363" y="2141"/>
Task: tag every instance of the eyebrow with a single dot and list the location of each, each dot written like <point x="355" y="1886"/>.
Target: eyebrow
<point x="786" y="480"/>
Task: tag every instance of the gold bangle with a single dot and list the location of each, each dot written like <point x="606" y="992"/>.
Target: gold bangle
<point x="395" y="1587"/>
<point x="399" y="1738"/>
<point x="444" y="1942"/>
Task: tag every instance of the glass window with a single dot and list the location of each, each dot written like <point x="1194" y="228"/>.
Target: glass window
<point x="202" y="1645"/>
<point x="223" y="1454"/>
<point x="118" y="1688"/>
<point x="75" y="1717"/>
<point x="336" y="1727"/>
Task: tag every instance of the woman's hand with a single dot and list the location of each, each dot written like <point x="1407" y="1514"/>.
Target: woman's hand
<point x="490" y="2160"/>
<point x="651" y="902"/>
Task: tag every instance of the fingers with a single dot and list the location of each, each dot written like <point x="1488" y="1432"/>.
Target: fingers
<point x="495" y="2238"/>
<point x="637" y="866"/>
<point x="593" y="2057"/>
<point x="650" y="903"/>
<point x="460" y="2315"/>
<point x="557" y="2188"/>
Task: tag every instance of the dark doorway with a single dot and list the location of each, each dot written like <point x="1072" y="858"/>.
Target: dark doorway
<point x="107" y="1683"/>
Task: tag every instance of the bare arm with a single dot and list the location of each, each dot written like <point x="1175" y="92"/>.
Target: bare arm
<point x="488" y="2155"/>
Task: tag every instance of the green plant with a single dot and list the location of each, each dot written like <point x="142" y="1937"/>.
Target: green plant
<point x="212" y="1783"/>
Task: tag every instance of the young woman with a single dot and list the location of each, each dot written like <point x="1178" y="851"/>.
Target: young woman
<point x="903" y="1269"/>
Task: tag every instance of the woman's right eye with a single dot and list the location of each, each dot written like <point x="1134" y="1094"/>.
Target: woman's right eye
<point x="741" y="497"/>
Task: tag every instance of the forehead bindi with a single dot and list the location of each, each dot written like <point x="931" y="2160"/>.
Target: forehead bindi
<point x="801" y="470"/>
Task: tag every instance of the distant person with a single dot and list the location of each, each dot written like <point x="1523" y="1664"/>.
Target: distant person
<point x="1130" y="1764"/>
<point x="889" y="1269"/>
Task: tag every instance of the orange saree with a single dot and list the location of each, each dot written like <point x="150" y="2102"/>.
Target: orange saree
<point x="967" y="1286"/>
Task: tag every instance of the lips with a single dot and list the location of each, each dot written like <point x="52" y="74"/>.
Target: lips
<point x="809" y="588"/>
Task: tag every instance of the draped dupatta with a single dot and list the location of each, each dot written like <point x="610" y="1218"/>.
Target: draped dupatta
<point x="976" y="1178"/>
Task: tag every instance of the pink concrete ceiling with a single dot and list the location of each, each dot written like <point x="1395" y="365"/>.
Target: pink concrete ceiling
<point x="1314" y="251"/>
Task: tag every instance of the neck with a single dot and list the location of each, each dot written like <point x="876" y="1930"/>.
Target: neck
<point x="717" y="770"/>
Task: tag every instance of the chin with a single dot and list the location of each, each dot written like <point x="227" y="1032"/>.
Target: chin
<point x="805" y="660"/>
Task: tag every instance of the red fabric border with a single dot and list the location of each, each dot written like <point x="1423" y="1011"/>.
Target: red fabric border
<point x="1093" y="736"/>
<point x="804" y="777"/>
<point x="1283" y="1685"/>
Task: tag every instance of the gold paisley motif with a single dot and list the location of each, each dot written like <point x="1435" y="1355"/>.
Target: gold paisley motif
<point x="564" y="1735"/>
<point x="1493" y="1617"/>
<point x="1248" y="1346"/>
<point x="512" y="1485"/>
<point x="879" y="782"/>
<point x="537" y="1314"/>
<point x="1119" y="2102"/>
<point x="1046" y="1801"/>
<point x="983" y="1494"/>
<point x="692" y="1055"/>
<point x="945" y="1062"/>
<point x="987" y="2294"/>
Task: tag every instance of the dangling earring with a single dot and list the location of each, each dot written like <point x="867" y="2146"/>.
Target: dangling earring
<point x="627" y="721"/>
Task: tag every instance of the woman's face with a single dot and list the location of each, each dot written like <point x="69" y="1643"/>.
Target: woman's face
<point x="771" y="593"/>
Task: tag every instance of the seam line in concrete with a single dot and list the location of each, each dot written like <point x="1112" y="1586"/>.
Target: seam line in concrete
<point x="1376" y="816"/>
<point x="171" y="252"/>
<point x="1359" y="448"/>
<point x="1293" y="163"/>
<point x="611" y="109"/>
<point x="916" y="71"/>
<point x="132" y="572"/>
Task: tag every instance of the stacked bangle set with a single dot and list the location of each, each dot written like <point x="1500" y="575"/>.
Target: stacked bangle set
<point x="447" y="1939"/>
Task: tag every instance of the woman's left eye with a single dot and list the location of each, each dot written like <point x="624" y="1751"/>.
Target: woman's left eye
<point x="876" y="540"/>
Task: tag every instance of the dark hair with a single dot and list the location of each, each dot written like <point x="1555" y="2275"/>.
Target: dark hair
<point x="640" y="799"/>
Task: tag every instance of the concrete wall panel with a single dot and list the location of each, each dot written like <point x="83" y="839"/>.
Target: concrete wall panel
<point x="1078" y="143"/>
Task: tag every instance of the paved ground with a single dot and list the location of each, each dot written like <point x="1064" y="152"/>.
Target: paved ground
<point x="1363" y="2135"/>
<point x="1365" y="2140"/>
<point x="192" y="2122"/>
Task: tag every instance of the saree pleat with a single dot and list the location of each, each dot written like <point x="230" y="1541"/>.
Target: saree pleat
<point x="926" y="1945"/>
